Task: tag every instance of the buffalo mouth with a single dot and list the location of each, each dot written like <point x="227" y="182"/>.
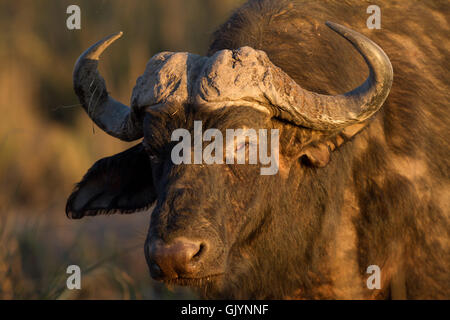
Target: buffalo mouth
<point x="195" y="281"/>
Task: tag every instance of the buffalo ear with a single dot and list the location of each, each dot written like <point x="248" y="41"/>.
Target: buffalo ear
<point x="121" y="183"/>
<point x="318" y="155"/>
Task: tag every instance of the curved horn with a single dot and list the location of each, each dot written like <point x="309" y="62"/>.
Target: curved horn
<point x="327" y="112"/>
<point x="110" y="115"/>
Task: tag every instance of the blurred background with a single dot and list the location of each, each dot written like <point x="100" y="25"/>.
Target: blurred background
<point x="47" y="142"/>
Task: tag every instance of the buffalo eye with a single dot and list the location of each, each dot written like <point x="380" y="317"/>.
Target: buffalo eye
<point x="241" y="145"/>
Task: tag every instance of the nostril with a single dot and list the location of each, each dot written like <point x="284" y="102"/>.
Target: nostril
<point x="155" y="270"/>
<point x="199" y="253"/>
<point x="180" y="257"/>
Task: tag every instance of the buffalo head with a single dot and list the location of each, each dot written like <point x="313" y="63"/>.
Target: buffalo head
<point x="212" y="224"/>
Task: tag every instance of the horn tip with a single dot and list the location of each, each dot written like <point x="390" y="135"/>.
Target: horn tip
<point x="94" y="52"/>
<point x="336" y="27"/>
<point x="110" y="39"/>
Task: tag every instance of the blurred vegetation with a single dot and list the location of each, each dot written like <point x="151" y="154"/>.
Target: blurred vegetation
<point x="47" y="142"/>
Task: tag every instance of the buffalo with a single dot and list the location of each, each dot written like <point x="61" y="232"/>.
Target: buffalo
<point x="363" y="179"/>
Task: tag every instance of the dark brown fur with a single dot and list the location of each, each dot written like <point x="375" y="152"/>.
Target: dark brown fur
<point x="382" y="198"/>
<point x="414" y="120"/>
